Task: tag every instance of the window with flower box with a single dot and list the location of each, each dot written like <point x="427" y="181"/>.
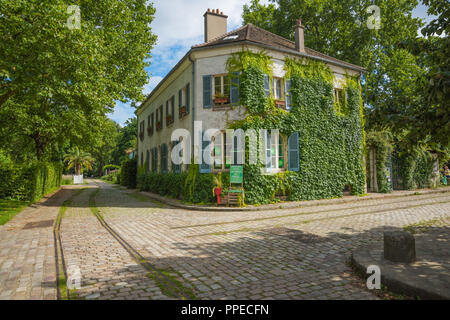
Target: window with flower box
<point x="170" y="110"/>
<point x="159" y="116"/>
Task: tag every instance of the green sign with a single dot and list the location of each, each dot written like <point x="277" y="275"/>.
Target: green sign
<point x="236" y="174"/>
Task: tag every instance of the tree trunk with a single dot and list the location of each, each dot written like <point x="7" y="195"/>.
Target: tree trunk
<point x="78" y="169"/>
<point x="39" y="145"/>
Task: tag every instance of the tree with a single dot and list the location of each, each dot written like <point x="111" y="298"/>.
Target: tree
<point x="56" y="82"/>
<point x="127" y="139"/>
<point x="104" y="146"/>
<point x="78" y="160"/>
<point x="404" y="90"/>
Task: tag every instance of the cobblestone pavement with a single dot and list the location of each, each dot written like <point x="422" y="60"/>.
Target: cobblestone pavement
<point x="27" y="252"/>
<point x="107" y="270"/>
<point x="296" y="253"/>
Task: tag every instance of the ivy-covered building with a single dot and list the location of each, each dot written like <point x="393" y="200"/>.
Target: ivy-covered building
<point x="250" y="78"/>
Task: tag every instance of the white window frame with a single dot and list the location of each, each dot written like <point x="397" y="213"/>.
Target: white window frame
<point x="222" y="82"/>
<point x="274" y="164"/>
<point x="223" y="157"/>
<point x="275" y="87"/>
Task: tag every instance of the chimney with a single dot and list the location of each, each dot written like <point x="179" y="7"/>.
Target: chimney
<point x="215" y="24"/>
<point x="299" y="37"/>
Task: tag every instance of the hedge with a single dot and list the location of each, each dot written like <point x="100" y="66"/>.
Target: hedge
<point x="29" y="182"/>
<point x="128" y="172"/>
<point x="190" y="186"/>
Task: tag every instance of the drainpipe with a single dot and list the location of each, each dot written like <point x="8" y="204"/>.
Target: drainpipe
<point x="193" y="105"/>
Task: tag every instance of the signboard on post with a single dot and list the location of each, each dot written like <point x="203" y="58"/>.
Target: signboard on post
<point x="236" y="175"/>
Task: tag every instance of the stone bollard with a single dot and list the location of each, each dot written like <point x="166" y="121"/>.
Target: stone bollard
<point x="399" y="246"/>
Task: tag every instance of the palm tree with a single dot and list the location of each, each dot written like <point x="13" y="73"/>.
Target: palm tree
<point x="78" y="160"/>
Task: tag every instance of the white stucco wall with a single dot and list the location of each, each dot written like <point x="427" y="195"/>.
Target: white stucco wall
<point x="158" y="138"/>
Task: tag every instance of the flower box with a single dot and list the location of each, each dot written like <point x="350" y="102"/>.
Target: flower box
<point x="169" y="119"/>
<point x="182" y="111"/>
<point x="280" y="104"/>
<point x="221" y="101"/>
<point x="141" y="135"/>
<point x="150" y="131"/>
<point x="158" y="126"/>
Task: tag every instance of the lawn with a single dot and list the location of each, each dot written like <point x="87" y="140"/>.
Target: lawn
<point x="9" y="208"/>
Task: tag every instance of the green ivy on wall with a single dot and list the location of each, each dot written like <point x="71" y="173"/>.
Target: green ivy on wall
<point x="331" y="144"/>
<point x="381" y="142"/>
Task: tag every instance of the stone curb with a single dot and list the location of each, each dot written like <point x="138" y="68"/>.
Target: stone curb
<point x="394" y="285"/>
<point x="287" y="205"/>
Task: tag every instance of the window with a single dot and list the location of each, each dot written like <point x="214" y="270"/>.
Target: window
<point x="170" y="108"/>
<point x="277" y="88"/>
<point x="141" y="130"/>
<point x="176" y="167"/>
<point x="221" y="90"/>
<point x="275" y="155"/>
<point x="154" y="159"/>
<point x="339" y="96"/>
<point x="221" y="160"/>
<point x="184" y="101"/>
<point x="159" y="117"/>
<point x="150" y="124"/>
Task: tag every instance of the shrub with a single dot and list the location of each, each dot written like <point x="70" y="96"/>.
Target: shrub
<point x="128" y="173"/>
<point x="189" y="186"/>
<point x="29" y="182"/>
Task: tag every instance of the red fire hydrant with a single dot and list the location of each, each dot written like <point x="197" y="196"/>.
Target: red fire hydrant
<point x="218" y="192"/>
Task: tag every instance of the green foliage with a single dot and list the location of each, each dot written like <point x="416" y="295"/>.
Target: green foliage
<point x="111" y="167"/>
<point x="169" y="184"/>
<point x="9" y="208"/>
<point x="381" y="142"/>
<point x="126" y="140"/>
<point x="128" y="173"/>
<point x="331" y="145"/>
<point x="415" y="167"/>
<point x="189" y="186"/>
<point x="29" y="182"/>
<point x="242" y="60"/>
<point x="78" y="160"/>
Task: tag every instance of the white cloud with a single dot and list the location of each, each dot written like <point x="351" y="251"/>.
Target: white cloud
<point x="152" y="83"/>
<point x="178" y="25"/>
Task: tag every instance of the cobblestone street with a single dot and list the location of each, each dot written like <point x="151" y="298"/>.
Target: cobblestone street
<point x="297" y="253"/>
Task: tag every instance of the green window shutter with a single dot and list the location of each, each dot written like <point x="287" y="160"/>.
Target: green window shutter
<point x="268" y="152"/>
<point x="147" y="160"/>
<point x="180" y="98"/>
<point x="293" y="153"/>
<point x="175" y="167"/>
<point x="173" y="108"/>
<point x="267" y="85"/>
<point x="234" y="88"/>
<point x="207" y="91"/>
<point x="188" y="97"/>
<point x="204" y="167"/>
<point x="288" y="95"/>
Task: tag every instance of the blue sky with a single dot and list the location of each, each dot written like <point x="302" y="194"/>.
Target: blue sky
<point x="179" y="25"/>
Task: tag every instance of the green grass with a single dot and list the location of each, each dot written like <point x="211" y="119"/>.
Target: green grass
<point x="9" y="208"/>
<point x="66" y="182"/>
<point x="424" y="226"/>
<point x="180" y="288"/>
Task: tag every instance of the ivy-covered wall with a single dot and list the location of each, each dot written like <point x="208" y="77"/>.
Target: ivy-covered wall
<point x="331" y="138"/>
